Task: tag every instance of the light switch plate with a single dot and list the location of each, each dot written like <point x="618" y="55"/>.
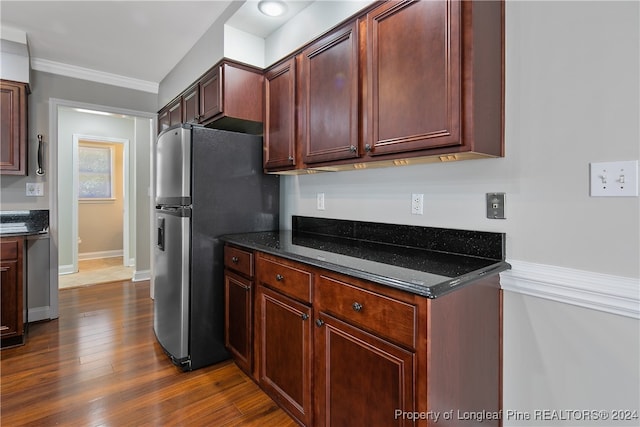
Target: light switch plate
<point x="495" y="205"/>
<point x="614" y="179"/>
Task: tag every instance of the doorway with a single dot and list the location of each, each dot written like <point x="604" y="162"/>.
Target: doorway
<point x="100" y="219"/>
<point x="141" y="136"/>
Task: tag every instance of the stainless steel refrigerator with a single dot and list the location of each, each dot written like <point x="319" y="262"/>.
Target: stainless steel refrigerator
<point x="209" y="183"/>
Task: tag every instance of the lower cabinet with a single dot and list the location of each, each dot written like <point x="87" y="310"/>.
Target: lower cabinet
<point x="360" y="379"/>
<point x="11" y="291"/>
<point x="284" y="328"/>
<point x="238" y="319"/>
<point x="334" y="350"/>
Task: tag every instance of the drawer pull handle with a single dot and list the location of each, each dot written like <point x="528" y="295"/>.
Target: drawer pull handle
<point x="319" y="322"/>
<point x="4" y="328"/>
<point x="304" y="316"/>
<point x="356" y="306"/>
<point x="234" y="259"/>
<point x="279" y="277"/>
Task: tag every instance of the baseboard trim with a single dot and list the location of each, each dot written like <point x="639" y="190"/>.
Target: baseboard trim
<point x="603" y="292"/>
<point x="100" y="254"/>
<point x="139" y="276"/>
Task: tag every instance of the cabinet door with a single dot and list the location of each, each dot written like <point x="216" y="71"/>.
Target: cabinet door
<point x="191" y="105"/>
<point x="238" y="320"/>
<point x="279" y="123"/>
<point x="164" y="120"/>
<point x="414" y="79"/>
<point x="285" y="352"/>
<point x="11" y="288"/>
<point x="13" y="128"/>
<point x="175" y="112"/>
<point x="329" y="97"/>
<point x="360" y="377"/>
<point x="210" y="94"/>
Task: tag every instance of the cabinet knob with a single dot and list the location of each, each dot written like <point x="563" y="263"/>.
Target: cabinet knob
<point x="290" y="159"/>
<point x="279" y="277"/>
<point x="304" y="316"/>
<point x="319" y="322"/>
<point x="353" y="148"/>
<point x="367" y="147"/>
<point x="234" y="259"/>
<point x="356" y="306"/>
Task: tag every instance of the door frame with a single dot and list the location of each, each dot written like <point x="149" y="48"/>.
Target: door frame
<point x="75" y="216"/>
<point x="54" y="105"/>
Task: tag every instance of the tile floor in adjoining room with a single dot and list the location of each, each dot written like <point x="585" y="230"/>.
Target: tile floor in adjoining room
<point x="94" y="271"/>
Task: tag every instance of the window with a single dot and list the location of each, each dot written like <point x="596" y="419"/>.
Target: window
<point x="95" y="177"/>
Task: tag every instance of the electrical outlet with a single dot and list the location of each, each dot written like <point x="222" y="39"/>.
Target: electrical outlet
<point x="495" y="205"/>
<point x="35" y="189"/>
<point x="320" y="201"/>
<point x="417" y="204"/>
<point x="611" y="179"/>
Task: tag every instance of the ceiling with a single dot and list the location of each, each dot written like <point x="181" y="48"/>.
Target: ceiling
<point x="141" y="40"/>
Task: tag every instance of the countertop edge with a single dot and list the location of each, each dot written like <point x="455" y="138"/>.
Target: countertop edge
<point x="431" y="292"/>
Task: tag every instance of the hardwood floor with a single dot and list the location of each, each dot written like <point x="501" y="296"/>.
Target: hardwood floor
<point x="100" y="365"/>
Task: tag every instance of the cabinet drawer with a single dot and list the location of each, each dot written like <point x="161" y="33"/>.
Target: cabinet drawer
<point x="238" y="260"/>
<point x="289" y="278"/>
<point x="384" y="316"/>
<point x="8" y="250"/>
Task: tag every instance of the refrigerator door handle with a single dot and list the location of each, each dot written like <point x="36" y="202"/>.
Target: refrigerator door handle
<point x="160" y="237"/>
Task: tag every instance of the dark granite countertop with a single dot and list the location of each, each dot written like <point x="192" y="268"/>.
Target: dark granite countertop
<point x="24" y="223"/>
<point x="372" y="252"/>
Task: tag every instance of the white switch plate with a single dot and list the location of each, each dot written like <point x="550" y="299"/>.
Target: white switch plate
<point x="417" y="204"/>
<point x="320" y="201"/>
<point x="614" y="179"/>
<point x="35" y="189"/>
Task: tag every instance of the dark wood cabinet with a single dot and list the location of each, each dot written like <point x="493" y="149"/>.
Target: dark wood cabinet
<point x="414" y="79"/>
<point x="209" y="85"/>
<point x="228" y="96"/>
<point x="191" y="105"/>
<point x="164" y="120"/>
<point x="239" y="295"/>
<point x="238" y="320"/>
<point x="329" y="97"/>
<point x="280" y="117"/>
<point x="284" y="328"/>
<point x="360" y="332"/>
<point x="11" y="290"/>
<point x="284" y="334"/>
<point x="13" y="128"/>
<point x="330" y="348"/>
<point x="170" y="115"/>
<point x="360" y="377"/>
<point x="402" y="82"/>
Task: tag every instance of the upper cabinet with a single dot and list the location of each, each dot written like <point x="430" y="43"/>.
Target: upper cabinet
<point x="227" y="96"/>
<point x="413" y="79"/>
<point x="403" y="82"/>
<point x="280" y="120"/>
<point x="13" y="128"/>
<point x="329" y="97"/>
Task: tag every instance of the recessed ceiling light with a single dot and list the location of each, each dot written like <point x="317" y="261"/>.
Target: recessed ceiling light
<point x="272" y="7"/>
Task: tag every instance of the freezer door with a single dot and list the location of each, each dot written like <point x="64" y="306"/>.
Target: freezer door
<point x="171" y="275"/>
<point x="173" y="167"/>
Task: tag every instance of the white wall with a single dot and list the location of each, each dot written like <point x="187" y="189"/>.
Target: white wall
<point x="208" y="50"/>
<point x="571" y="98"/>
<point x="308" y="24"/>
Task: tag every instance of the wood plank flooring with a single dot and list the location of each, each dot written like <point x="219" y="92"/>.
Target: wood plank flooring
<point x="99" y="365"/>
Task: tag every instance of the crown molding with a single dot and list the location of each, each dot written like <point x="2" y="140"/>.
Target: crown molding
<point x="603" y="292"/>
<point x="67" y="70"/>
